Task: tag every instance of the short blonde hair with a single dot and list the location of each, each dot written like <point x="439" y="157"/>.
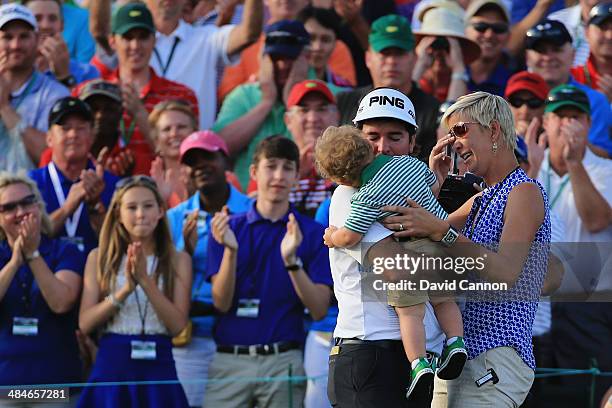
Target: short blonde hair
<point x="341" y="153"/>
<point x="485" y="108"/>
<point x="8" y="179"/>
<point x="170" y="105"/>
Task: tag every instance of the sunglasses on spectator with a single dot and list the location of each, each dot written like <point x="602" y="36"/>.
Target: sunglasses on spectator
<point x="459" y="129"/>
<point x="498" y="28"/>
<point x="130" y="181"/>
<point x="532" y="103"/>
<point x="25" y="203"/>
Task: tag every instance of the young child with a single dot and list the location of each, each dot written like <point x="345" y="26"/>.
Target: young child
<point x="136" y="292"/>
<point x="344" y="156"/>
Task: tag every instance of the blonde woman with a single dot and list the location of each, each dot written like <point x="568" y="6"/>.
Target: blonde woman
<point x="40" y="282"/>
<point x="136" y="293"/>
<point x="170" y="123"/>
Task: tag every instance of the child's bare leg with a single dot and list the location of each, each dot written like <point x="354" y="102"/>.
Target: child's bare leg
<point x="449" y="317"/>
<point x="412" y="330"/>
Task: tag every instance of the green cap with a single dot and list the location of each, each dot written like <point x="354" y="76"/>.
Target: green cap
<point x="567" y="95"/>
<point x="391" y="31"/>
<point x="132" y="15"/>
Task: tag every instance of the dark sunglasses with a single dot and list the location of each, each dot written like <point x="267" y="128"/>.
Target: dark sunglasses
<point x="498" y="28"/>
<point x="459" y="129"/>
<point x="532" y="103"/>
<point x="130" y="181"/>
<point x="568" y="95"/>
<point x="25" y="202"/>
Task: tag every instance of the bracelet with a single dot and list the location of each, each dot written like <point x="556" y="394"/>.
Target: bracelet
<point x="97" y="208"/>
<point x="114" y="301"/>
<point x="460" y="75"/>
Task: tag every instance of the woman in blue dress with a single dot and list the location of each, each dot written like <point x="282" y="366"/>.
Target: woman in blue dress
<point x="509" y="221"/>
<point x="40" y="283"/>
<point x="136" y="293"/>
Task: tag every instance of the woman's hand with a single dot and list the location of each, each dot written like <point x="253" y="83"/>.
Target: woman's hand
<point x="30" y="232"/>
<point x="130" y="281"/>
<point x="414" y="221"/>
<point x="439" y="162"/>
<point x="139" y="263"/>
<point x="17" y="257"/>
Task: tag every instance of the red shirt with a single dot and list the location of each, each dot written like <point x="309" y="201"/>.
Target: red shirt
<point x="587" y="74"/>
<point x="158" y="89"/>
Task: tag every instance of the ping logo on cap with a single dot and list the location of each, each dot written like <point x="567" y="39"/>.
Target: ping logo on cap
<point x="134" y="13"/>
<point x="387" y="100"/>
<point x="391" y="29"/>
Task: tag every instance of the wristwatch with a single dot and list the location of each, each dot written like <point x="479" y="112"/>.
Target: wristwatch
<point x="461" y="75"/>
<point x="295" y="266"/>
<point x="450" y="237"/>
<point x="32" y="257"/>
<point x="69" y="81"/>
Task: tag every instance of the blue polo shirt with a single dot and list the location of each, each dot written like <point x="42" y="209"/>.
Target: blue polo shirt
<point x="80" y="71"/>
<point x="81" y="44"/>
<point x="52" y="356"/>
<point x="601" y="117"/>
<point x="84" y="230"/>
<point x="201" y="288"/>
<point x="261" y="274"/>
<point x="496" y="82"/>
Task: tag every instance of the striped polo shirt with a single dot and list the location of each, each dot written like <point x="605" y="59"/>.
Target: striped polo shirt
<point x="389" y="181"/>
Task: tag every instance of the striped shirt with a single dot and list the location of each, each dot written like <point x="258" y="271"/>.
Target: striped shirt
<point x="389" y="181"/>
<point x="157" y="90"/>
<point x="572" y="20"/>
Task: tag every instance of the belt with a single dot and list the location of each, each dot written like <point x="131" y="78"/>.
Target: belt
<point x="386" y="344"/>
<point x="260" y="349"/>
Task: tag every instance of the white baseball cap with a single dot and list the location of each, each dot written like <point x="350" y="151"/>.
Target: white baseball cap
<point x="386" y="103"/>
<point x="11" y="12"/>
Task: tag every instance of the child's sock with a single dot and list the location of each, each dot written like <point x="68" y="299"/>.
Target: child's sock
<point x="451" y="340"/>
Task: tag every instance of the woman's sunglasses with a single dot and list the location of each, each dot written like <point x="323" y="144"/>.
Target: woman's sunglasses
<point x="130" y="181"/>
<point x="25" y="202"/>
<point x="532" y="103"/>
<point x="459" y="129"/>
<point x="498" y="28"/>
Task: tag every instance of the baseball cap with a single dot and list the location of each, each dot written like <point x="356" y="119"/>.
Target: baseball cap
<point x="203" y="140"/>
<point x="600" y="13"/>
<point x="100" y="87"/>
<point x="551" y="31"/>
<point x="303" y="88"/>
<point x="527" y="81"/>
<point x="476" y="6"/>
<point x="67" y="106"/>
<point x="567" y="95"/>
<point x="386" y="103"/>
<point x="12" y="11"/>
<point x="130" y="16"/>
<point x="286" y="38"/>
<point x="389" y="31"/>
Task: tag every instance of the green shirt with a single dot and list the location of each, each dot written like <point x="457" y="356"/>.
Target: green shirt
<point x="237" y="104"/>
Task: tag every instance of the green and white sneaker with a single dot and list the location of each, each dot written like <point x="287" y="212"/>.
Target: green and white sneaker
<point x="421" y="382"/>
<point x="453" y="358"/>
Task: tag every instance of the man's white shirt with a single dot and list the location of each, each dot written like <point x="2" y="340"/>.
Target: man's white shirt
<point x="361" y="318"/>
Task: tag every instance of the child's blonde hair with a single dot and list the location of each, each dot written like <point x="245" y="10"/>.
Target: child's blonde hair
<point x="114" y="240"/>
<point x="341" y="154"/>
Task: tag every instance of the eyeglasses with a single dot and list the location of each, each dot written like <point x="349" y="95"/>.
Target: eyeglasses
<point x="532" y="103"/>
<point x="130" y="181"/>
<point x="498" y="28"/>
<point x="459" y="129"/>
<point x="25" y="203"/>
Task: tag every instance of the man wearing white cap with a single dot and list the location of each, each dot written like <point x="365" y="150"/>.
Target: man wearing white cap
<point x="367" y="331"/>
<point x="26" y="96"/>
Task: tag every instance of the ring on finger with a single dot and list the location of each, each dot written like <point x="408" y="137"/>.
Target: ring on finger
<point x="401" y="227"/>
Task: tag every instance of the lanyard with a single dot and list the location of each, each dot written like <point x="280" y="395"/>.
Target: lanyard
<point x="164" y="67"/>
<point x="143" y="316"/>
<point x="26" y="91"/>
<point x="127" y="136"/>
<point x="71" y="223"/>
<point x="554" y="199"/>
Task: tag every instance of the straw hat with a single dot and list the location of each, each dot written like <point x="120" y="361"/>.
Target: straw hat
<point x="442" y="22"/>
<point x="424" y="6"/>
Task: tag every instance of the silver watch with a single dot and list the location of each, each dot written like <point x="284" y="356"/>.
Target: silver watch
<point x="450" y="237"/>
<point x="35" y="254"/>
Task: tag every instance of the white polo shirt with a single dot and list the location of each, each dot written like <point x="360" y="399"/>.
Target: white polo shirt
<point x="572" y="19"/>
<point x="199" y="52"/>
<point x="358" y="317"/>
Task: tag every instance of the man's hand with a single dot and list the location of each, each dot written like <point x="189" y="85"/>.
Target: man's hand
<point x="190" y="231"/>
<point x="5" y="90"/>
<point x="76" y="195"/>
<point x="55" y="51"/>
<point x="349" y="10"/>
<point x="93" y="183"/>
<point x="221" y="231"/>
<point x="298" y="73"/>
<point x="535" y="147"/>
<point x="131" y="100"/>
<point x="269" y="93"/>
<point x="291" y="241"/>
<point x="454" y="58"/>
<point x="574" y="135"/>
<point x="605" y="86"/>
<point x="121" y="165"/>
